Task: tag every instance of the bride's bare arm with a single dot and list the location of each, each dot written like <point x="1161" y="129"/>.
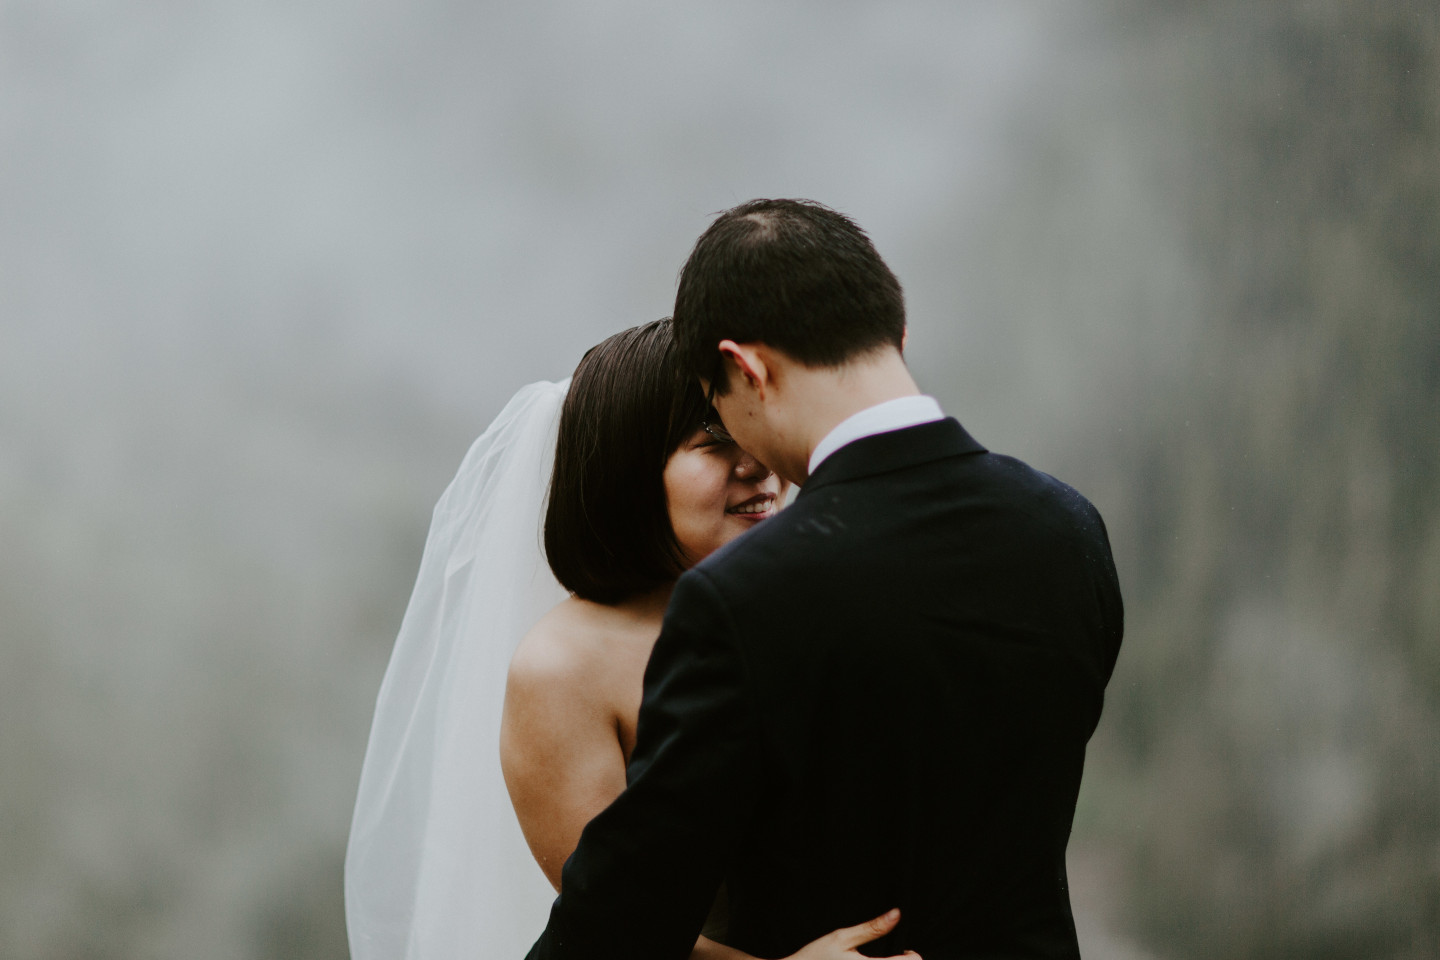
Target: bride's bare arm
<point x="558" y="746"/>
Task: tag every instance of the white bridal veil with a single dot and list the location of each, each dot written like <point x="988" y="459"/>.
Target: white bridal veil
<point x="436" y="867"/>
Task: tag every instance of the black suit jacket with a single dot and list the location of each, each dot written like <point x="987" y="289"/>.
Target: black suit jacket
<point x="879" y="698"/>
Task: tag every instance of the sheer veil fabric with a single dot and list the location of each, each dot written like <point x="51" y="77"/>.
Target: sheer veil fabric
<point x="436" y="866"/>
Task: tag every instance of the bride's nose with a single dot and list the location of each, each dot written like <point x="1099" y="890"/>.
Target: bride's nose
<point x="748" y="468"/>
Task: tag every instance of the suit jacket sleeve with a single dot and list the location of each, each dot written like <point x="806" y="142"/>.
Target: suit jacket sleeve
<point x="642" y="879"/>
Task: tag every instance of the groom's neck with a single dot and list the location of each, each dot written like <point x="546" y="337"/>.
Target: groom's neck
<point x="822" y="397"/>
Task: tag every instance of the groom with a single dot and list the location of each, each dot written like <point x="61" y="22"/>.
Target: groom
<point x="881" y="697"/>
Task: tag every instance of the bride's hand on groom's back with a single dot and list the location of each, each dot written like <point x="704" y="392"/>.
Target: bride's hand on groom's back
<point x="837" y="945"/>
<point x="842" y="944"/>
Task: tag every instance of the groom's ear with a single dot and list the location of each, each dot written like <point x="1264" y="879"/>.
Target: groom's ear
<point x="748" y="361"/>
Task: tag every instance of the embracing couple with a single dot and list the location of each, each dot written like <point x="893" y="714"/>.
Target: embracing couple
<point x="853" y="725"/>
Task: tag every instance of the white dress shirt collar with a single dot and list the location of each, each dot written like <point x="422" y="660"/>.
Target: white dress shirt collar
<point x="884" y="417"/>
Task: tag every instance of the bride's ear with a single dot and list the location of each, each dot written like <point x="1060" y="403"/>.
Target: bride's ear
<point x="749" y="362"/>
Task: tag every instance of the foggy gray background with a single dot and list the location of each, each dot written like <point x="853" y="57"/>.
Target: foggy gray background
<point x="267" y="268"/>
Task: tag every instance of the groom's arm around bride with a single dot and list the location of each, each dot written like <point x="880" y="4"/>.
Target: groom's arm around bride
<point x="879" y="698"/>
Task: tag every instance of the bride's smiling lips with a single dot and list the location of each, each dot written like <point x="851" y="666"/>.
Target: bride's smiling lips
<point x="758" y="507"/>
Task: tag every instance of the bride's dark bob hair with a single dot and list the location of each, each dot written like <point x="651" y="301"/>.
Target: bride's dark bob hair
<point x="630" y="405"/>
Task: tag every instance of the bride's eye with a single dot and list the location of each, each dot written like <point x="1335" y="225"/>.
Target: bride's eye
<point x="708" y="441"/>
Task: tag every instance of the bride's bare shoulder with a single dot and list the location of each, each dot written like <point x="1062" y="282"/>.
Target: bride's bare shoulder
<point x="581" y="646"/>
<point x="559" y="639"/>
<point x="567" y="647"/>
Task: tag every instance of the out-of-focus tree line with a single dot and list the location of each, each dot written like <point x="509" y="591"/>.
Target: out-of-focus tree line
<point x="1273" y="733"/>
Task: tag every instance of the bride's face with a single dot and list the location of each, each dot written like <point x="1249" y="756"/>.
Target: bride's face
<point x="714" y="492"/>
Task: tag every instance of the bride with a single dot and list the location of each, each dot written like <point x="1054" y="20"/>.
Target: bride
<point x="439" y="864"/>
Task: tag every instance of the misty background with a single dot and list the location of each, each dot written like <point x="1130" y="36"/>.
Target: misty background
<point x="267" y="268"/>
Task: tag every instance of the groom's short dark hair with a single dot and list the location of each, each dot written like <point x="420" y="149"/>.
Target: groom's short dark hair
<point x="792" y="274"/>
<point x="608" y="535"/>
